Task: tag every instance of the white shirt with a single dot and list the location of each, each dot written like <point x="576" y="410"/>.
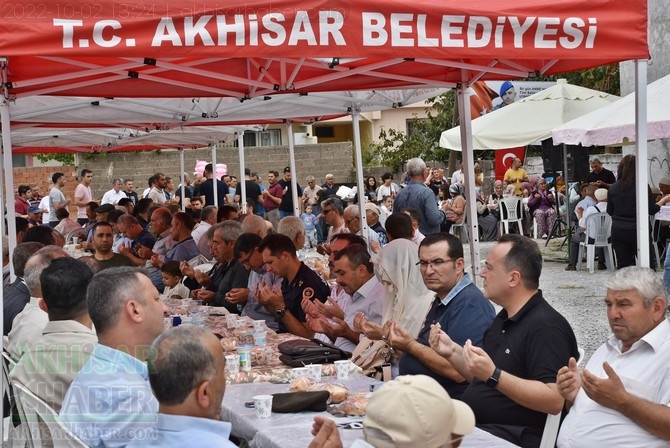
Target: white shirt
<point x="113" y="197"/>
<point x="27" y="327"/>
<point x="457" y="177"/>
<point x="645" y="372"/>
<point x="199" y="231"/>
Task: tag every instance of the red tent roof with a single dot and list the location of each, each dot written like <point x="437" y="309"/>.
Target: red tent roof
<point x="246" y="49"/>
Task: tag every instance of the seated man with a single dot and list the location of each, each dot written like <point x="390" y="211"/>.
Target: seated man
<point x="110" y="399"/>
<point x="27" y="326"/>
<point x="621" y="398"/>
<point x="279" y="256"/>
<point x="187" y="376"/>
<point x="355" y="274"/>
<point x="247" y="253"/>
<point x="48" y="367"/>
<point x="513" y="376"/>
<point x="459" y="307"/>
<point x="16" y="295"/>
<point x="103" y="238"/>
<point x="140" y="238"/>
<point x="184" y="247"/>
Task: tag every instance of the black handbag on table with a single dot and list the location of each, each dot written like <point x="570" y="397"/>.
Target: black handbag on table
<point x="301" y="352"/>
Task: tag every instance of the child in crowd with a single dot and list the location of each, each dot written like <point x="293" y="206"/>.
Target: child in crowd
<point x="172" y="276"/>
<point x="309" y="220"/>
<point x="386" y="209"/>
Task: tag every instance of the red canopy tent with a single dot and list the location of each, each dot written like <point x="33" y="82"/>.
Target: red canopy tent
<point x="168" y="48"/>
<point x="180" y="49"/>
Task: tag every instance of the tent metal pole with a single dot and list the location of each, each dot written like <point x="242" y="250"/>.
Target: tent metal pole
<point x="181" y="177"/>
<point x="360" y="183"/>
<point x="5" y="123"/>
<point x="567" y="199"/>
<point x="641" y="173"/>
<point x="6" y="148"/>
<point x="294" y="175"/>
<point x="214" y="179"/>
<point x="463" y="100"/>
<point x="242" y="186"/>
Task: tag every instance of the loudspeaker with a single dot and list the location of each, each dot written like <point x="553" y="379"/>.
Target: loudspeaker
<point x="578" y="163"/>
<point x="578" y="160"/>
<point x="552" y="156"/>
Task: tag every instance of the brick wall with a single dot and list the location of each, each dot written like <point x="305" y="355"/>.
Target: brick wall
<point x="41" y="177"/>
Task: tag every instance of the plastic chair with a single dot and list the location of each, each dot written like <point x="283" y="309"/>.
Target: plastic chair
<point x="43" y="425"/>
<point x="462" y="230"/>
<point x="598" y="233"/>
<point x="553" y="423"/>
<point x="511" y="211"/>
<point x="655" y="244"/>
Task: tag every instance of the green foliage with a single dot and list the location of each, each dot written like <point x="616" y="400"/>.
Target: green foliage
<point x="394" y="147"/>
<point x="65" y="158"/>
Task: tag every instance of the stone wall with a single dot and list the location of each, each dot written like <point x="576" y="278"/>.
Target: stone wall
<point x="317" y="160"/>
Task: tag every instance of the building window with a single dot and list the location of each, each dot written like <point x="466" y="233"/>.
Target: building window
<point x="324" y="131"/>
<point x="270" y="137"/>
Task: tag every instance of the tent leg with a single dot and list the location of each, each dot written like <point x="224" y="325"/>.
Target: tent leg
<point x="294" y="178"/>
<point x="242" y="185"/>
<point x="641" y="173"/>
<point x="181" y="178"/>
<point x="463" y="100"/>
<point x="356" y="127"/>
<point x="214" y="179"/>
<point x="5" y="124"/>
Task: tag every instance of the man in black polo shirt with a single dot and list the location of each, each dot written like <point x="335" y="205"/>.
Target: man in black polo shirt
<point x="286" y="205"/>
<point x="280" y="257"/>
<point x="513" y="376"/>
<point x="207" y="188"/>
<point x="600" y="176"/>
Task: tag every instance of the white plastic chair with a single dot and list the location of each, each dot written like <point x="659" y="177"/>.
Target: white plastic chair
<point x="511" y="211"/>
<point x="598" y="233"/>
<point x="42" y="423"/>
<point x="655" y="244"/>
<point x="462" y="229"/>
<point x="553" y="422"/>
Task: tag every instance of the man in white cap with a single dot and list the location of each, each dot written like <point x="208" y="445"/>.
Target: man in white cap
<point x="410" y="411"/>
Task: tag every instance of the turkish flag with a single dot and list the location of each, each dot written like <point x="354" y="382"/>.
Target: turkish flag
<point x="504" y="159"/>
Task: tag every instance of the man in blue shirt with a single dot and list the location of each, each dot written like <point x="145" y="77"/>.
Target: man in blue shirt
<point x="110" y="400"/>
<point x="419" y="196"/>
<point x="187" y="376"/>
<point x="459" y="307"/>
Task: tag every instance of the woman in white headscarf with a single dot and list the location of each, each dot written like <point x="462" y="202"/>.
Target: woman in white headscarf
<point x="406" y="299"/>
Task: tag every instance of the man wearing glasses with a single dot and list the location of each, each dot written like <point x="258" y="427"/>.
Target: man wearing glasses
<point x="332" y="211"/>
<point x="459" y="307"/>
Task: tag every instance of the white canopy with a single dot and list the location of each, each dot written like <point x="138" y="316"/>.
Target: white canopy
<point x="615" y="123"/>
<point x="530" y="119"/>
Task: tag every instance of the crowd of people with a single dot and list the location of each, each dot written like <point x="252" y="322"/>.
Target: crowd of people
<point x="401" y="280"/>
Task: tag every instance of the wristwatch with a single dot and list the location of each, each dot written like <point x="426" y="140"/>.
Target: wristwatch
<point x="492" y="382"/>
<point x="279" y="312"/>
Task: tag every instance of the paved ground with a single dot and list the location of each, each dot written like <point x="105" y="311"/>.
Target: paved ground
<point x="579" y="296"/>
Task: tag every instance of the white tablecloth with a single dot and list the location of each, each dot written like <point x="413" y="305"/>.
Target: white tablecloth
<point x="295" y="430"/>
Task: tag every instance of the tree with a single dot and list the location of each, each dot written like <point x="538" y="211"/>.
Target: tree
<point x="396" y="147"/>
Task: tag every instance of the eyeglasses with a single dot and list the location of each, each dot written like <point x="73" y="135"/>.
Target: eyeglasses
<point x="245" y="261"/>
<point x="423" y="264"/>
<point x="347" y="221"/>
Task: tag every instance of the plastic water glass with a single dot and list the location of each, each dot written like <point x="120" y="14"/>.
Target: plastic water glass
<point x="343" y="367"/>
<point x="263" y="405"/>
